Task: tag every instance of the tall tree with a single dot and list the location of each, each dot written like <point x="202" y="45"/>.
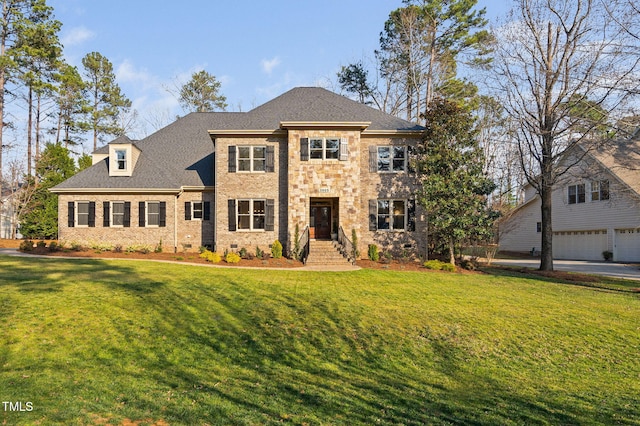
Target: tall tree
<point x="38" y="51"/>
<point x="550" y="53"/>
<point x="72" y="103"/>
<point x="454" y="187"/>
<point x="106" y="101"/>
<point x="40" y="215"/>
<point x="15" y="17"/>
<point x="202" y="93"/>
<point x="353" y="79"/>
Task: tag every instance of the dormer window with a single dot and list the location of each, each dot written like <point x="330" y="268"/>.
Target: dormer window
<point x="121" y="159"/>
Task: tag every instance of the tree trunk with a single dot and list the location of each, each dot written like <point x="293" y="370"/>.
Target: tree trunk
<point x="452" y="252"/>
<point x="29" y="127"/>
<point x="546" y="251"/>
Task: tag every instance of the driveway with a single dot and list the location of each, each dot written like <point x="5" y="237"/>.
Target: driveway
<point x="608" y="269"/>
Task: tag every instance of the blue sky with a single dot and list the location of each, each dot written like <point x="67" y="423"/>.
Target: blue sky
<point x="258" y="50"/>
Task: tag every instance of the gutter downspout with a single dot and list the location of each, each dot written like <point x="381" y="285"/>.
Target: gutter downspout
<point x="175" y="221"/>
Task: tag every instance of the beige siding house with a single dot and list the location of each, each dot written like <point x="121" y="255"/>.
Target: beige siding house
<point x="309" y="159"/>
<point x="596" y="208"/>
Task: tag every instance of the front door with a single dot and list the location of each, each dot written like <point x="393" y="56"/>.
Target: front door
<point x="321" y="222"/>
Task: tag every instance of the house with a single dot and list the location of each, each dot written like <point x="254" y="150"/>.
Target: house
<point x="596" y="208"/>
<point x="309" y="159"/>
<point x="9" y="224"/>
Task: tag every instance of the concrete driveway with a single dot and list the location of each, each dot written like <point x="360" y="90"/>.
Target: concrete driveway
<point x="608" y="269"/>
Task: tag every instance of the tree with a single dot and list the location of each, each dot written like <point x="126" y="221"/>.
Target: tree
<point x="202" y="94"/>
<point x="551" y="54"/>
<point x="353" y="79"/>
<point x="106" y="102"/>
<point x="449" y="163"/>
<point x="40" y="214"/>
<point x="71" y="103"/>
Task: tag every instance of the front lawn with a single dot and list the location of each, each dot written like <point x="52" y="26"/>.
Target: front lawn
<point x="123" y="342"/>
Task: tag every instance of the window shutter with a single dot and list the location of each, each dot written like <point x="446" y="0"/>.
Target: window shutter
<point x="126" y="222"/>
<point x="232" y="159"/>
<point x="162" y="220"/>
<point x="141" y="214"/>
<point x="187" y="210"/>
<point x="269" y="212"/>
<point x="271" y="160"/>
<point x="304" y="149"/>
<point x="373" y="159"/>
<point x="411" y="213"/>
<point x="373" y="215"/>
<point x="410" y="159"/>
<point x="232" y="215"/>
<point x="344" y="149"/>
<point x="106" y="214"/>
<point x="71" y="214"/>
<point x="92" y="214"/>
<point x="207" y="210"/>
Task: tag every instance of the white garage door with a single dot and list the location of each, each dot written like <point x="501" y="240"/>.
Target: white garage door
<point x="579" y="245"/>
<point x="627" y="245"/>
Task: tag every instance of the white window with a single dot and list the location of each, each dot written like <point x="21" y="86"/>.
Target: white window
<point x="196" y="209"/>
<point x="153" y="213"/>
<point x="121" y="159"/>
<point x="324" y="148"/>
<point x="392" y="215"/>
<point x="599" y="190"/>
<point x="117" y="213"/>
<point x="252" y="158"/>
<point x="576" y="194"/>
<point x="251" y="214"/>
<point x="392" y="158"/>
<point x="82" y="213"/>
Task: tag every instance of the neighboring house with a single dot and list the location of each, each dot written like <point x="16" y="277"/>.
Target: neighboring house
<point x="308" y="158"/>
<point x="9" y="225"/>
<point x="596" y="208"/>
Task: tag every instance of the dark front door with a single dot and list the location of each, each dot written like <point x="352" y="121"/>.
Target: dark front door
<point x="322" y="222"/>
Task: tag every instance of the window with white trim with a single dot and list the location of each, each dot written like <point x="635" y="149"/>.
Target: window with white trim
<point x="392" y="158"/>
<point x="252" y="158"/>
<point x="324" y="148"/>
<point x="121" y="159"/>
<point x="599" y="190"/>
<point x="196" y="210"/>
<point x="82" y="213"/>
<point x="576" y="194"/>
<point x="251" y="214"/>
<point x="392" y="215"/>
<point x="153" y="213"/>
<point x="117" y="213"/>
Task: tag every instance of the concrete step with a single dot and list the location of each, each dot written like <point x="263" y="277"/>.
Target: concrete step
<point x="323" y="252"/>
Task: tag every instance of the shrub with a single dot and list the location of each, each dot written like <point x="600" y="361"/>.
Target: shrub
<point x="387" y="257"/>
<point x="232" y="257"/>
<point x="296" y="243"/>
<point x="117" y="248"/>
<point x="469" y="264"/>
<point x="243" y="253"/>
<point x="210" y="256"/>
<point x="75" y="246"/>
<point x="158" y="248"/>
<point x="26" y="245"/>
<point x="448" y="267"/>
<point x="439" y="266"/>
<point x="354" y="241"/>
<point x="41" y="244"/>
<point x="607" y="255"/>
<point x="276" y="249"/>
<point x="259" y="252"/>
<point x="373" y="253"/>
<point x="53" y="246"/>
<point x="145" y="250"/>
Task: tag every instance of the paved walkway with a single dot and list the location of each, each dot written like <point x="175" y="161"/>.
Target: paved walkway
<point x="323" y="268"/>
<point x="608" y="269"/>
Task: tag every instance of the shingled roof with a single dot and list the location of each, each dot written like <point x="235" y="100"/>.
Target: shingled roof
<point x="181" y="154"/>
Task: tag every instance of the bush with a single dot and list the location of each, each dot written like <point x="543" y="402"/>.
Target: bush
<point x="41" y="244"/>
<point x="437" y="265"/>
<point x="158" y="248"/>
<point x="469" y="264"/>
<point x="243" y="253"/>
<point x="53" y="246"/>
<point x="276" y="249"/>
<point x="75" y="246"/>
<point x="232" y="257"/>
<point x="26" y="245"/>
<point x="373" y="253"/>
<point x="607" y="255"/>
<point x="259" y="252"/>
<point x="210" y="256"/>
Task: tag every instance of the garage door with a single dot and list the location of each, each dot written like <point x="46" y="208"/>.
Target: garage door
<point x="579" y="245"/>
<point x="627" y="245"/>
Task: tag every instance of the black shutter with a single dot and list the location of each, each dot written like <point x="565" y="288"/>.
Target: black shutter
<point x="373" y="159"/>
<point x="106" y="215"/>
<point x="271" y="160"/>
<point x="411" y="212"/>
<point x="373" y="215"/>
<point x="344" y="149"/>
<point x="141" y="214"/>
<point x="232" y="215"/>
<point x="71" y="214"/>
<point x="410" y="159"/>
<point x="127" y="215"/>
<point x="162" y="220"/>
<point x="187" y="210"/>
<point x="304" y="149"/>
<point x="232" y="159"/>
<point x="92" y="214"/>
<point x="207" y="210"/>
<point x="269" y="213"/>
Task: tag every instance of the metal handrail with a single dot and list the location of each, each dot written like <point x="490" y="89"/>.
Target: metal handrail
<point x="303" y="243"/>
<point x="346" y="246"/>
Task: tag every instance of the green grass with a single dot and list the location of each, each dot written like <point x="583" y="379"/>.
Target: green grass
<point x="105" y="342"/>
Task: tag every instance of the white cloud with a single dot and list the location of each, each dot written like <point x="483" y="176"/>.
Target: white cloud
<point x="127" y="72"/>
<point x="269" y="64"/>
<point x="76" y="36"/>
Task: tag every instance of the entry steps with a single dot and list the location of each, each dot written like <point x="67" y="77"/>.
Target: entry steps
<point x="325" y="252"/>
